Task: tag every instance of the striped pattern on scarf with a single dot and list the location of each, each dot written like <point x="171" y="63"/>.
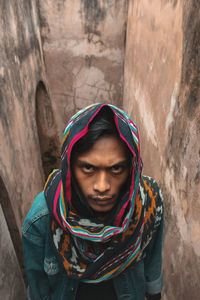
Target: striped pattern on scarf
<point x="90" y="250"/>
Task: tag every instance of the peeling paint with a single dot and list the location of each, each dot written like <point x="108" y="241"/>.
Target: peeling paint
<point x="185" y="172"/>
<point x="2" y="71"/>
<point x="97" y="49"/>
<point x="170" y="116"/>
<point x="195" y="229"/>
<point x="146" y="114"/>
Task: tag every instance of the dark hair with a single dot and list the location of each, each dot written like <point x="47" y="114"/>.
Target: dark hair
<point x="102" y="125"/>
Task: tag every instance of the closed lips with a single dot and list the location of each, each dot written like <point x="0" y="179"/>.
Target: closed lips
<point x="103" y="200"/>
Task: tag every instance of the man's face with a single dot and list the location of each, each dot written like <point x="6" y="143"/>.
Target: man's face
<point x="101" y="172"/>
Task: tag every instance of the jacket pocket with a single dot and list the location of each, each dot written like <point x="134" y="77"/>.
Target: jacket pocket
<point x="51" y="266"/>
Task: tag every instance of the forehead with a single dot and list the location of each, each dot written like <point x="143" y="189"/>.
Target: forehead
<point x="106" y="151"/>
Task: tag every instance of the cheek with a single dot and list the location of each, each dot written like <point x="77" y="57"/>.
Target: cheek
<point x="84" y="183"/>
<point x="122" y="182"/>
<point x="119" y="182"/>
<point x="124" y="177"/>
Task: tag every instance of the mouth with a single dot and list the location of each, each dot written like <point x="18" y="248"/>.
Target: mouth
<point x="103" y="201"/>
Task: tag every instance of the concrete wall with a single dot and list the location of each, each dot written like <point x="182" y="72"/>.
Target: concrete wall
<point x="22" y="151"/>
<point x="21" y="69"/>
<point x="21" y="174"/>
<point x="11" y="281"/>
<point x="162" y="93"/>
<point x="83" y="62"/>
<point x="83" y="43"/>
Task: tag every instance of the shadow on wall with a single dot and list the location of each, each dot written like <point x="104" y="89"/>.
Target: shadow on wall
<point x="47" y="132"/>
<point x="11" y="222"/>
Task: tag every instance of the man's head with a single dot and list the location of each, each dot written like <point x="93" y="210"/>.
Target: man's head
<point x="101" y="163"/>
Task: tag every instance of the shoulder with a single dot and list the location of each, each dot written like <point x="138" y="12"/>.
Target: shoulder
<point x="153" y="190"/>
<point x="151" y="182"/>
<point x="38" y="214"/>
<point x="154" y="208"/>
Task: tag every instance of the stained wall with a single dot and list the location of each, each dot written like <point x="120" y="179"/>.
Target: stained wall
<point x="83" y="44"/>
<point x="58" y="56"/>
<point x="11" y="282"/>
<point x="21" y="171"/>
<point x="21" y="70"/>
<point x="161" y="92"/>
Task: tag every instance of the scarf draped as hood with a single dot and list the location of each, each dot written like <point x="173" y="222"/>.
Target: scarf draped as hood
<point x="90" y="250"/>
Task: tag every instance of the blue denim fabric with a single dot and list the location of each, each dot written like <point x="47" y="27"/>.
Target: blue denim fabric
<point x="47" y="279"/>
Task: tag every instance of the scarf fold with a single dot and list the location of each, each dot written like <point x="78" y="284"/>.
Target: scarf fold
<point x="90" y="250"/>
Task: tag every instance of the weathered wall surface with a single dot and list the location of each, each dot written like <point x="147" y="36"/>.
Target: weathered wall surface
<point x="152" y="72"/>
<point x="22" y="151"/>
<point x="11" y="282"/>
<point x="162" y="93"/>
<point x="83" y="42"/>
<point x="21" y="69"/>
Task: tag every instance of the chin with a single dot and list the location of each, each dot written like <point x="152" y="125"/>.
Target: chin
<point x="102" y="209"/>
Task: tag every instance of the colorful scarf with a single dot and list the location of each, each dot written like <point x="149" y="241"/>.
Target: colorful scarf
<point x="90" y="250"/>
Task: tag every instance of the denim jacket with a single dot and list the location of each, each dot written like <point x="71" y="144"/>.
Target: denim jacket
<point x="47" y="279"/>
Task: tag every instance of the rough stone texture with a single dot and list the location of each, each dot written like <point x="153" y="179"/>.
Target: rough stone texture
<point x="21" y="174"/>
<point x="47" y="133"/>
<point x="11" y="282"/>
<point x="21" y="69"/>
<point x="13" y="228"/>
<point x="83" y="42"/>
<point x="162" y="93"/>
<point x="23" y="141"/>
<point x="152" y="72"/>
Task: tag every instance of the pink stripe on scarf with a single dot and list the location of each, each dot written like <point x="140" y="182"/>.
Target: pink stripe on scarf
<point x="74" y="140"/>
<point x="68" y="177"/>
<point x="121" y="212"/>
<point x="55" y="201"/>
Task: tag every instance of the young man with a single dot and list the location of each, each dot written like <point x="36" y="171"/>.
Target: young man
<point x="95" y="232"/>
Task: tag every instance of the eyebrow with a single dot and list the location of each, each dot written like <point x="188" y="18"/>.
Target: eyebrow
<point x="123" y="163"/>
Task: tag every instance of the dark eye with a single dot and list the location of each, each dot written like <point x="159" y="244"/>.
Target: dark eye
<point x="86" y="168"/>
<point x="117" y="169"/>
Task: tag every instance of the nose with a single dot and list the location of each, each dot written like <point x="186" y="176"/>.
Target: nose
<point x="101" y="184"/>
